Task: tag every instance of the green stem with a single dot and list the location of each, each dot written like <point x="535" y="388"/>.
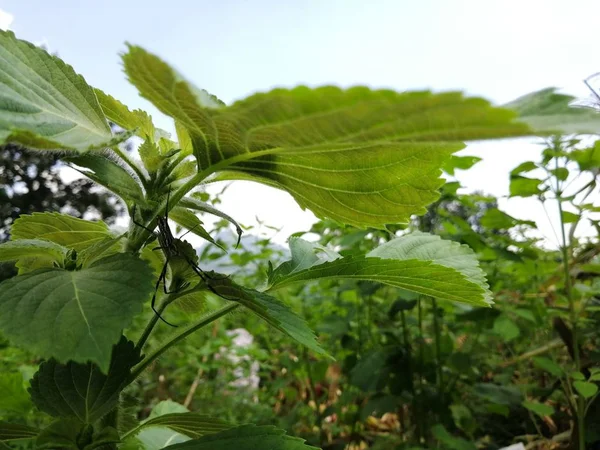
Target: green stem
<point x="572" y="311"/>
<point x="438" y="346"/>
<point x="420" y="415"/>
<point x="313" y="394"/>
<point x="180" y="335"/>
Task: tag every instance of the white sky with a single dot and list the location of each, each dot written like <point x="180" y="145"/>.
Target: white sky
<point x="496" y="49"/>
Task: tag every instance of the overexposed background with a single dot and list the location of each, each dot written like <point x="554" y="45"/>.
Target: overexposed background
<point x="496" y="49"/>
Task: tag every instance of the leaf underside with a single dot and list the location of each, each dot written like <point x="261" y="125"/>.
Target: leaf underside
<point x="82" y="390"/>
<point x="44" y="103"/>
<point x="360" y="156"/>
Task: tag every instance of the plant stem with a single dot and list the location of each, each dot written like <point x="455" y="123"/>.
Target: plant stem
<point x="573" y="312"/>
<point x="179" y="336"/>
<point x="438" y="346"/>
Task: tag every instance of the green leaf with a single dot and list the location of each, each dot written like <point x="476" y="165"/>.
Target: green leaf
<point x="150" y="155"/>
<point x="569" y="217"/>
<point x="577" y="376"/>
<point x="586" y="389"/>
<point x="460" y="162"/>
<point x="108" y="173"/>
<point x="189" y="220"/>
<point x="524" y="187"/>
<point x="14" y="401"/>
<point x="548" y="365"/>
<point x="198" y="205"/>
<point x="527" y="166"/>
<point x="118" y="113"/>
<point x="548" y="112"/>
<point x="362" y="157"/>
<point x="75" y="315"/>
<point x="429" y="247"/>
<point x="82" y="390"/>
<point x="441" y="434"/>
<point x="44" y="103"/>
<point x="62" y="229"/>
<point x="70" y="434"/>
<point x="498" y="220"/>
<point x="449" y="271"/>
<point x="594" y="377"/>
<point x="190" y="424"/>
<point x="506" y="328"/>
<point x="32" y="248"/>
<point x="587" y="159"/>
<point x="562" y="173"/>
<point x="271" y="310"/>
<point x="245" y="437"/>
<point x="541" y="409"/>
<point x="15" y="432"/>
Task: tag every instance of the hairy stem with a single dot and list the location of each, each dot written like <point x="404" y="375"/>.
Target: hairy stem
<point x="180" y="335"/>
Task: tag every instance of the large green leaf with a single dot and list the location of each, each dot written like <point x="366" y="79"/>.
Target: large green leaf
<point x="32" y="248"/>
<point x="75" y="315"/>
<point x="44" y="103"/>
<point x="62" y="229"/>
<point x="363" y="157"/>
<point x="547" y="111"/>
<point x="271" y="310"/>
<point x="82" y="390"/>
<point x="428" y="247"/>
<point x="190" y="424"/>
<point x="117" y="112"/>
<point x="449" y="272"/>
<point x="14" y="400"/>
<point x="245" y="437"/>
<point x="15" y="432"/>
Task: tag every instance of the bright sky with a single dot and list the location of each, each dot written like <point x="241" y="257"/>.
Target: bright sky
<point x="496" y="49"/>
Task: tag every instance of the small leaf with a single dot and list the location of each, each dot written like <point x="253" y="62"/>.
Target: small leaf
<point x="548" y="365"/>
<point x="113" y="176"/>
<point x="82" y="390"/>
<point x="569" y="217"/>
<point x="460" y="162"/>
<point x="562" y="173"/>
<point x="499" y="220"/>
<point x="450" y="442"/>
<point x="586" y="389"/>
<point x="118" y="113"/>
<point x="32" y="248"/>
<point x="187" y="219"/>
<point x="75" y="315"/>
<point x="527" y="166"/>
<point x="524" y="187"/>
<point x="548" y="112"/>
<point x="190" y="424"/>
<point x="15" y="432"/>
<point x="60" y="228"/>
<point x="150" y="155"/>
<point x="194" y="203"/>
<point x="506" y="328"/>
<point x="271" y="310"/>
<point x="541" y="409"/>
<point x="44" y="103"/>
<point x="14" y="401"/>
<point x="594" y="377"/>
<point x="577" y="376"/>
<point x="245" y="437"/>
<point x="587" y="159"/>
